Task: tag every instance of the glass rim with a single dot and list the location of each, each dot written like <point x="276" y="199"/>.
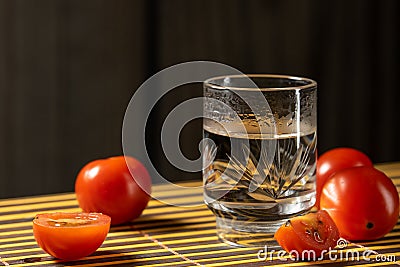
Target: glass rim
<point x="310" y="83"/>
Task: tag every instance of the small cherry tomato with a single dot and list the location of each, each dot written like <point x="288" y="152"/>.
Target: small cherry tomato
<point x="315" y="232"/>
<point x="118" y="186"/>
<point x="363" y="202"/>
<point x="335" y="160"/>
<point x="70" y="236"/>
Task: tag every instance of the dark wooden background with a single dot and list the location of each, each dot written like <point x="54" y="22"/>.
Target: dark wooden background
<point x="68" y="69"/>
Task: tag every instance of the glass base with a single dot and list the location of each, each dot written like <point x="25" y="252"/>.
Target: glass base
<point x="248" y="233"/>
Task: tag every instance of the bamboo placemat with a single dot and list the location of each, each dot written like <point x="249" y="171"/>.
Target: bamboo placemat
<point x="166" y="235"/>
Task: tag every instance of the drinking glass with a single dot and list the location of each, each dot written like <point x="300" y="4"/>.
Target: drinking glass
<point x="259" y="153"/>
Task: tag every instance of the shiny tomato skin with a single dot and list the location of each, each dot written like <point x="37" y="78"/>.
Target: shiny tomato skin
<point x="363" y="202"/>
<point x="70" y="241"/>
<point x="118" y="186"/>
<point x="335" y="160"/>
<point x="315" y="231"/>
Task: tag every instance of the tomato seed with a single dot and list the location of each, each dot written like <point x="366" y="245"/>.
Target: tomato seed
<point x="67" y="222"/>
<point x="318" y="237"/>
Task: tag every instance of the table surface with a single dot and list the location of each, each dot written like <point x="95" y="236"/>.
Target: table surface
<point x="167" y="235"/>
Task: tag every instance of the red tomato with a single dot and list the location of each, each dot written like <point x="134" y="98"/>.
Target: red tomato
<point x="315" y="232"/>
<point x="337" y="159"/>
<point x="117" y="186"/>
<point x="70" y="236"/>
<point x="363" y="202"/>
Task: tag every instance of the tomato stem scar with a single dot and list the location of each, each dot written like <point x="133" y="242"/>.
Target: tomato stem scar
<point x="370" y="225"/>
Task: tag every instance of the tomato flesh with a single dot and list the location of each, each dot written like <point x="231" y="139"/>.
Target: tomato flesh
<point x="315" y="232"/>
<point x="70" y="236"/>
<point x="363" y="202"/>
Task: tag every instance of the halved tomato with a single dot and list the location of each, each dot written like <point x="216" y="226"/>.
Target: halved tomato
<point x="70" y="236"/>
<point x="314" y="232"/>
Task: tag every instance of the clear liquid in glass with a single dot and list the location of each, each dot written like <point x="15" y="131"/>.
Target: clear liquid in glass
<point x="252" y="197"/>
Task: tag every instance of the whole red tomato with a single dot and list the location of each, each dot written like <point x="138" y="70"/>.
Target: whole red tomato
<point x="335" y="160"/>
<point x="363" y="202"/>
<point x="314" y="232"/>
<point x="117" y="186"/>
<point x="70" y="236"/>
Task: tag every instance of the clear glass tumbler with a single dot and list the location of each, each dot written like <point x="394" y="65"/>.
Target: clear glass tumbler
<point x="259" y="153"/>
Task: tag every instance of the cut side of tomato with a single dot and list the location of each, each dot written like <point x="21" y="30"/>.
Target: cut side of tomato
<point x="314" y="232"/>
<point x="70" y="236"/>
